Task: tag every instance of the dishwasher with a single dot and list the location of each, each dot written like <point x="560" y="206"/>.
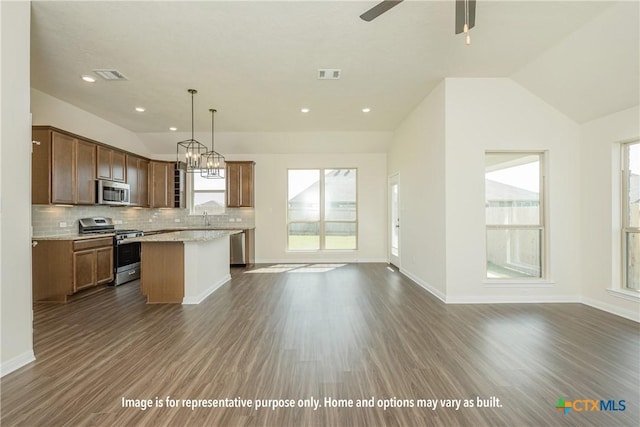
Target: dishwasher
<point x="238" y="249"/>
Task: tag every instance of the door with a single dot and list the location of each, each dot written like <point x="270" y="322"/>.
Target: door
<point x="394" y="220"/>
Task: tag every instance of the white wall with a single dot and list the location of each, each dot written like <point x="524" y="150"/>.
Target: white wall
<point x="601" y="212"/>
<point x="417" y="154"/>
<point x="271" y="205"/>
<point x="15" y="188"/>
<point x="498" y="114"/>
<point x="48" y="110"/>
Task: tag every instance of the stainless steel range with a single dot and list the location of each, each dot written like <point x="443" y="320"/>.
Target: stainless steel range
<point x="126" y="255"/>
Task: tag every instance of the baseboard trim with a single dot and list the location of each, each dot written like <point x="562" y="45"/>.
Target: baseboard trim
<point x="433" y="291"/>
<point x="524" y="299"/>
<point x="203" y="295"/>
<point x="17" y="363"/>
<point x="322" y="261"/>
<point x="612" y="309"/>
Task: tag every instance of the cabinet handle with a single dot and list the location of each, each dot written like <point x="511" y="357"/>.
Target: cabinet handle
<point x="34" y="244"/>
<point x="132" y="272"/>
<point x="35" y="142"/>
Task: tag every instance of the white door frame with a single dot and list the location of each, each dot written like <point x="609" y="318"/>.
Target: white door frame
<point x="393" y="222"/>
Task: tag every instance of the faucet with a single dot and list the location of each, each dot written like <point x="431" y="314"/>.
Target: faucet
<point x="206" y="219"/>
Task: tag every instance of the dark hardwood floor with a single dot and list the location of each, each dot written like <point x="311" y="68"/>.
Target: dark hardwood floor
<point x="354" y="332"/>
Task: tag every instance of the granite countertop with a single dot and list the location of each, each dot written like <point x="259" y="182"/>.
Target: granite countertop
<point x="199" y="228"/>
<point x="77" y="236"/>
<point x="185" y="236"/>
<point x="73" y="236"/>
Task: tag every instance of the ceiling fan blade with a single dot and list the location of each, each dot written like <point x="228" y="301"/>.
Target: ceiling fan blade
<point x="460" y="14"/>
<point x="379" y="9"/>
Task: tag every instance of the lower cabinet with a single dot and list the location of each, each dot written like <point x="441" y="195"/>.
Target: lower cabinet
<point x="67" y="269"/>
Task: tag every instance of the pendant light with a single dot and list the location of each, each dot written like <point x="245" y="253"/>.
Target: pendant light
<point x="191" y="151"/>
<point x="213" y="164"/>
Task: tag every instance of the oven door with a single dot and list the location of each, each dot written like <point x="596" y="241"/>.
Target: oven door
<point x="126" y="262"/>
<point x="126" y="254"/>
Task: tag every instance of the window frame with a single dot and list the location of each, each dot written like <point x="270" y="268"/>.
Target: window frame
<point x="322" y="213"/>
<point x="542" y="225"/>
<point x="191" y="191"/>
<point x="626" y="229"/>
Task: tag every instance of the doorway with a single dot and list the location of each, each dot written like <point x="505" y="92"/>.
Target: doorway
<point x="394" y="220"/>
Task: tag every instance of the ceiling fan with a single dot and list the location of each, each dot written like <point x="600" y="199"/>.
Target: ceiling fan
<point x="465" y="14"/>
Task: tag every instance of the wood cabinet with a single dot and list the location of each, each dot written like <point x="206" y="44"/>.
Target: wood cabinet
<point x="66" y="269"/>
<point x="161" y="184"/>
<point x="240" y="184"/>
<point x="63" y="168"/>
<point x="111" y="164"/>
<point x="138" y="180"/>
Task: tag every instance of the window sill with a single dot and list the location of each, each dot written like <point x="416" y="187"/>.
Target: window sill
<point x="509" y="283"/>
<point x="624" y="294"/>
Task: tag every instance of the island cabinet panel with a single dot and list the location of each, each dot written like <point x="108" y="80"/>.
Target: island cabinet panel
<point x="137" y="178"/>
<point x="62" y="168"/>
<point x="240" y="184"/>
<point x="111" y="164"/>
<point x="161" y="184"/>
<point x="162" y="272"/>
<point x="63" y="270"/>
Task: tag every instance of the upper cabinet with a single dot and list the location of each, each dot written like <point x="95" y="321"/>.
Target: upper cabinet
<point x="111" y="164"/>
<point x="63" y="168"/>
<point x="161" y="184"/>
<point x="138" y="180"/>
<point x="239" y="177"/>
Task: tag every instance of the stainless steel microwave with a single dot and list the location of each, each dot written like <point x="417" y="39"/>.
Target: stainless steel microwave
<point x="112" y="193"/>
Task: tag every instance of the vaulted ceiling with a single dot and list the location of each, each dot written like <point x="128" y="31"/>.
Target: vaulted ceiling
<point x="256" y="62"/>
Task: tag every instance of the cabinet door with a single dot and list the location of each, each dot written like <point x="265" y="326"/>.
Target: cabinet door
<point x="85" y="173"/>
<point x="239" y="177"/>
<point x="246" y="184"/>
<point x="84" y="269"/>
<point x="40" y="167"/>
<point x="103" y="168"/>
<point x="104" y="268"/>
<point x="118" y="168"/>
<point x="159" y="193"/>
<point x="63" y="179"/>
<point x="143" y="182"/>
<point x="132" y="180"/>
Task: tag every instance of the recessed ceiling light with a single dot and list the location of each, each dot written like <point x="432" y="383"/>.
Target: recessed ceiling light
<point x="304" y="110"/>
<point x="173" y="128"/>
<point x="140" y="109"/>
<point x="88" y="79"/>
<point x="366" y="110"/>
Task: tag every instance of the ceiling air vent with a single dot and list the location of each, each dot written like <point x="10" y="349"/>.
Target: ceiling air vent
<point x="328" y="74"/>
<point x="110" y="74"/>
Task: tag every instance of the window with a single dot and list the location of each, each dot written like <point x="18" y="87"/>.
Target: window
<point x="631" y="215"/>
<point x="514" y="215"/>
<point x="322" y="209"/>
<point x="206" y="195"/>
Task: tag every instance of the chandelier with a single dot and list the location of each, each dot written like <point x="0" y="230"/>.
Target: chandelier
<point x="191" y="151"/>
<point x="213" y="163"/>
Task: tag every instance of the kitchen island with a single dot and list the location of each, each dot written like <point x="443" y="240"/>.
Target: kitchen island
<point x="183" y="266"/>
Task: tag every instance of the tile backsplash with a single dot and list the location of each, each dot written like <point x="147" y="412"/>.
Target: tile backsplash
<point x="51" y="220"/>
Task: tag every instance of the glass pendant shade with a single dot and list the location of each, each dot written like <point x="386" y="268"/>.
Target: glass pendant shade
<point x="213" y="163"/>
<point x="190" y="151"/>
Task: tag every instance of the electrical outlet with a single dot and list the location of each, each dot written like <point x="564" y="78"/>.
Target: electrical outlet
<point x="176" y="220"/>
<point x="232" y="220"/>
<point x="150" y="220"/>
<point x="238" y="219"/>
<point x="117" y="221"/>
<point x="63" y="224"/>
